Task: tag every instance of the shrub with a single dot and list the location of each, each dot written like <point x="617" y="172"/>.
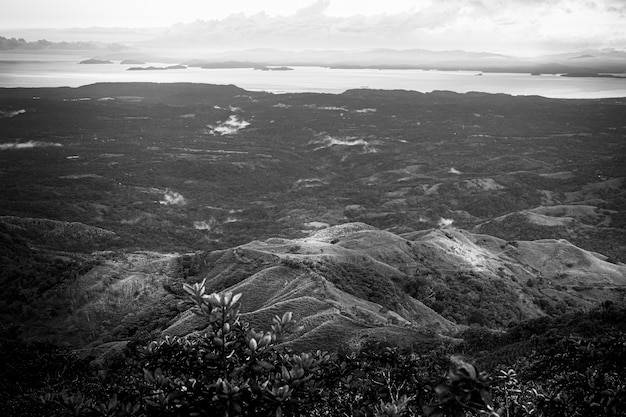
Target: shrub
<point x="231" y="369"/>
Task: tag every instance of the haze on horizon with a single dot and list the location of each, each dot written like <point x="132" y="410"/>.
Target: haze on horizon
<point x="512" y="27"/>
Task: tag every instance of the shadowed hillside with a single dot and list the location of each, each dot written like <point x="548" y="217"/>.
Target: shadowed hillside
<point x="346" y="285"/>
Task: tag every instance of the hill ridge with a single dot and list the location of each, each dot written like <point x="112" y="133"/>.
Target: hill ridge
<point x="333" y="281"/>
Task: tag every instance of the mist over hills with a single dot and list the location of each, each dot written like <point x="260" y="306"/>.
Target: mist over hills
<point x="577" y="63"/>
<point x="194" y="50"/>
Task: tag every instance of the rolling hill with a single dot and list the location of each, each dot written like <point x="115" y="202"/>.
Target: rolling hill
<point x="389" y="215"/>
<point x="346" y="285"/>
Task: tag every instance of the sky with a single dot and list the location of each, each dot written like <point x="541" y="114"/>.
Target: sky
<point x="519" y="27"/>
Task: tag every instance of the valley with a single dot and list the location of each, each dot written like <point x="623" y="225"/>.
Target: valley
<point x="241" y="165"/>
<point x="187" y="168"/>
<point x="374" y="216"/>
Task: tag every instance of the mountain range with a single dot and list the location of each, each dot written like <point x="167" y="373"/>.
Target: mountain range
<point x="174" y="46"/>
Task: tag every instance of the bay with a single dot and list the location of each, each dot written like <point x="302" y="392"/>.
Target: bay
<point x="68" y="73"/>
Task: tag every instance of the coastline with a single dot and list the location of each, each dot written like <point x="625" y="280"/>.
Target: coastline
<point x="65" y="73"/>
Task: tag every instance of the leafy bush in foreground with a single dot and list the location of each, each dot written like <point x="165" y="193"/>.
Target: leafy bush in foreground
<point x="567" y="366"/>
<point x="572" y="365"/>
<point x="232" y="370"/>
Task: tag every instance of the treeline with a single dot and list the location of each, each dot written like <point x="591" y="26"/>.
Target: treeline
<point x="27" y="273"/>
<point x="570" y="365"/>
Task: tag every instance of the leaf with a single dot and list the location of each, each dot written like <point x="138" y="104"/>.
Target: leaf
<point x="226" y="297"/>
<point x="285" y="373"/>
<point x="236" y="298"/>
<point x="148" y="376"/>
<point x="432" y="411"/>
<point x="173" y="395"/>
<point x="189" y="289"/>
<point x="287" y="317"/>
<point x="442" y="390"/>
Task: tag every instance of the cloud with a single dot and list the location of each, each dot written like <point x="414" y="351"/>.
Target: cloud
<point x="476" y="25"/>
<point x="315" y="9"/>
<point x="443" y="222"/>
<point x="173" y="198"/>
<point x="11" y="113"/>
<point x="229" y="127"/>
<point x="205" y="225"/>
<point x="27" y="145"/>
<point x="329" y="141"/>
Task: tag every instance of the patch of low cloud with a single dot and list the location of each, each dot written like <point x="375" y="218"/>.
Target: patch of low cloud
<point x="27" y="145"/>
<point x="208" y="225"/>
<point x="133" y="221"/>
<point x="79" y="176"/>
<point x="309" y="183"/>
<point x="316" y="225"/>
<point x="332" y="108"/>
<point x="330" y="141"/>
<point x="229" y="127"/>
<point x="11" y="113"/>
<point x="443" y="222"/>
<point x="171" y="198"/>
<point x="366" y="110"/>
<point x="454" y="171"/>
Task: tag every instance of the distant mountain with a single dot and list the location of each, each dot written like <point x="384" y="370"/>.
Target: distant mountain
<point x="190" y="44"/>
<point x="132" y="62"/>
<point x="8" y="44"/>
<point x="612" y="62"/>
<point x="93" y="61"/>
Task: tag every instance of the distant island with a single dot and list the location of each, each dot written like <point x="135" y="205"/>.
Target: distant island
<point x="95" y="61"/>
<point x="152" y="68"/>
<point x="266" y="68"/>
<point x="132" y="62"/>
<point x="225" y="64"/>
<point x="238" y="64"/>
<point x="592" y="75"/>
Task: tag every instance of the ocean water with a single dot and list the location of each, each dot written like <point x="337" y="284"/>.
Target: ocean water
<point x="59" y="73"/>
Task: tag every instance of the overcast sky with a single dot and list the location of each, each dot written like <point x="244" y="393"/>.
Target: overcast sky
<point x="524" y="27"/>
